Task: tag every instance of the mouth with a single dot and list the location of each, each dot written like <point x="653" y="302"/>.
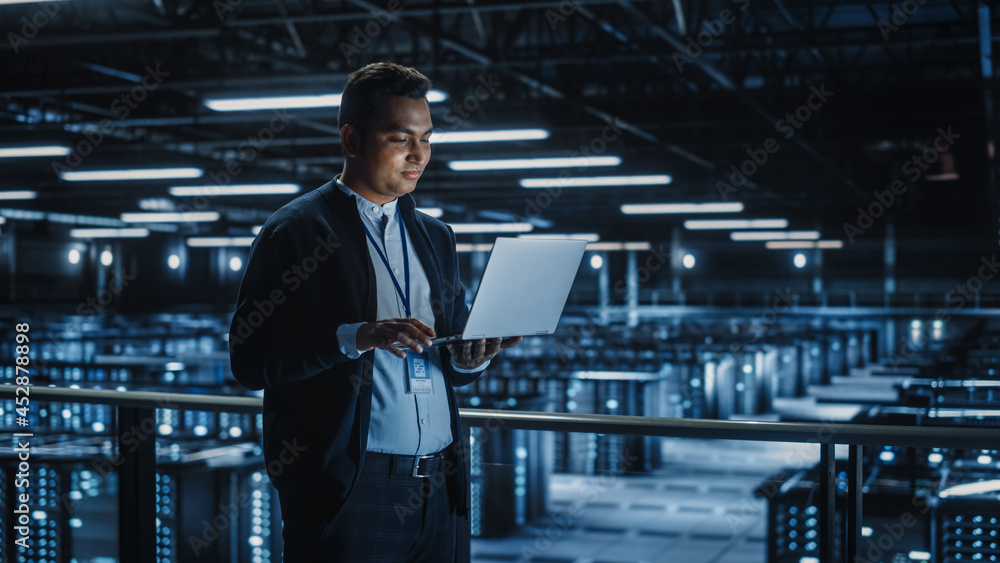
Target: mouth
<point x="412" y="174"/>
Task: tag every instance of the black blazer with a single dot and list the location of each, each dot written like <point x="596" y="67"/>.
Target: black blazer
<point x="309" y="272"/>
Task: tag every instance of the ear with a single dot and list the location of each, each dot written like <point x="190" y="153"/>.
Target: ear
<point x="350" y="140"/>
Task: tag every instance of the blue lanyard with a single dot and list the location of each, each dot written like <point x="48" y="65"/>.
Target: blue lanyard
<point x="406" y="263"/>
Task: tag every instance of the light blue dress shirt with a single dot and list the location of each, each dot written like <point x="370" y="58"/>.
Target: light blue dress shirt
<point x="401" y="422"/>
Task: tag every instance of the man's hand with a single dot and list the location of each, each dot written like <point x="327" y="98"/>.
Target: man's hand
<point x="384" y="334"/>
<point x="468" y="354"/>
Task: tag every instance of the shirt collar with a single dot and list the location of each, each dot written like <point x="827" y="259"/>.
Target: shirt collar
<point x="369" y="208"/>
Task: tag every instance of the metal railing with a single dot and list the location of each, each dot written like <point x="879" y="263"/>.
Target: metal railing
<point x="137" y="486"/>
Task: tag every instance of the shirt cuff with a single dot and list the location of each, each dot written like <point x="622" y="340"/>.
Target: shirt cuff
<point x="480" y="367"/>
<point x="347" y="338"/>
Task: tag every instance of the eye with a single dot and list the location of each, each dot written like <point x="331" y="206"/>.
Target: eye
<point x="398" y="140"/>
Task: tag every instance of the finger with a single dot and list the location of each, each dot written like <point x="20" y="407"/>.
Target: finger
<point x="421" y="326"/>
<point x="417" y="330"/>
<point x="509" y="342"/>
<point x="492" y="347"/>
<point x="403" y="338"/>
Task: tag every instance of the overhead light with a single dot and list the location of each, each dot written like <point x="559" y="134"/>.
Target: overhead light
<point x="774" y="235"/>
<point x="236" y="189"/>
<point x="174" y="261"/>
<point x="483" y="247"/>
<point x="695" y="224"/>
<point x="434" y="212"/>
<point x="789" y="244"/>
<point x="219" y="241"/>
<point x="109" y="233"/>
<point x="292" y="102"/>
<point x="522" y="163"/>
<point x="596" y="261"/>
<point x="187" y="217"/>
<point x="19" y="152"/>
<point x="140" y="174"/>
<point x="942" y="177"/>
<point x="18" y="194"/>
<point x="74" y="256"/>
<point x="492" y="227"/>
<point x="107" y="257"/>
<point x="689" y="261"/>
<point x="590" y="237"/>
<point x="489" y="136"/>
<point x="658" y="208"/>
<point x="650" y="180"/>
<point x="618" y="246"/>
<point x="799" y="260"/>
<point x="968" y="489"/>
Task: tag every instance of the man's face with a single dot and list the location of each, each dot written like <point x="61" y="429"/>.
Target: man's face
<point x="396" y="149"/>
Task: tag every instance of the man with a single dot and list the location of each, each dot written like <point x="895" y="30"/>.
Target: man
<point x="338" y="281"/>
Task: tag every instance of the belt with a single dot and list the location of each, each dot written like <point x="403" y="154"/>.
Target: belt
<point x="405" y="465"/>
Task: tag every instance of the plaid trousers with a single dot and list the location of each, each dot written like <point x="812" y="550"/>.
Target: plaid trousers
<point x="387" y="519"/>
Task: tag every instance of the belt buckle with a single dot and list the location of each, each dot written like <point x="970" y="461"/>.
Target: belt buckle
<point x="416" y="466"/>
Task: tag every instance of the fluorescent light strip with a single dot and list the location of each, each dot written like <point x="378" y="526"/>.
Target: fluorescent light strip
<point x="292" y="102"/>
<point x="698" y="224"/>
<point x="492" y="227"/>
<point x="523" y="163"/>
<point x="219" y="241"/>
<point x="787" y="244"/>
<point x="16" y="152"/>
<point x="18" y="194"/>
<point x="666" y="208"/>
<point x="191" y="216"/>
<point x="485" y="247"/>
<point x="140" y="174"/>
<point x="462" y="247"/>
<point x="108" y="233"/>
<point x="236" y="189"/>
<point x="651" y="180"/>
<point x="968" y="489"/>
<point x="3" y="220"/>
<point x="618" y="246"/>
<point x="256" y="230"/>
<point x="774" y="235"/>
<point x="434" y="212"/>
<point x="590" y="237"/>
<point x="489" y="136"/>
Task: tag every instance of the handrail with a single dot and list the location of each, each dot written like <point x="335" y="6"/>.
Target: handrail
<point x="823" y="432"/>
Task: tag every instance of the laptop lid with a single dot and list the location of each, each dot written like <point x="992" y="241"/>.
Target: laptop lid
<point x="524" y="287"/>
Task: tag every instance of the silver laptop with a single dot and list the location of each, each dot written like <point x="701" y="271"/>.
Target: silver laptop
<point x="523" y="290"/>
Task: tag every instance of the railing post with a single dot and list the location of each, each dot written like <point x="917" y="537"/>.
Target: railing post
<point x="855" y="483"/>
<point x="827" y="503"/>
<point x="136" y="485"/>
<point x="463" y="535"/>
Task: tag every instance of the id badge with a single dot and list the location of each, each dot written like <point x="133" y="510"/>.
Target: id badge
<point x="419" y="376"/>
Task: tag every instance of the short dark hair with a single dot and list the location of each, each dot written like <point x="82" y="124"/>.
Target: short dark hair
<point x="362" y="103"/>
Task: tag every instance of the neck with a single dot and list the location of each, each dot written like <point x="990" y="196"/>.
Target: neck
<point x="363" y="189"/>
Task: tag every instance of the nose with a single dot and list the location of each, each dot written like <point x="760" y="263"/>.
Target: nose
<point x="419" y="152"/>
